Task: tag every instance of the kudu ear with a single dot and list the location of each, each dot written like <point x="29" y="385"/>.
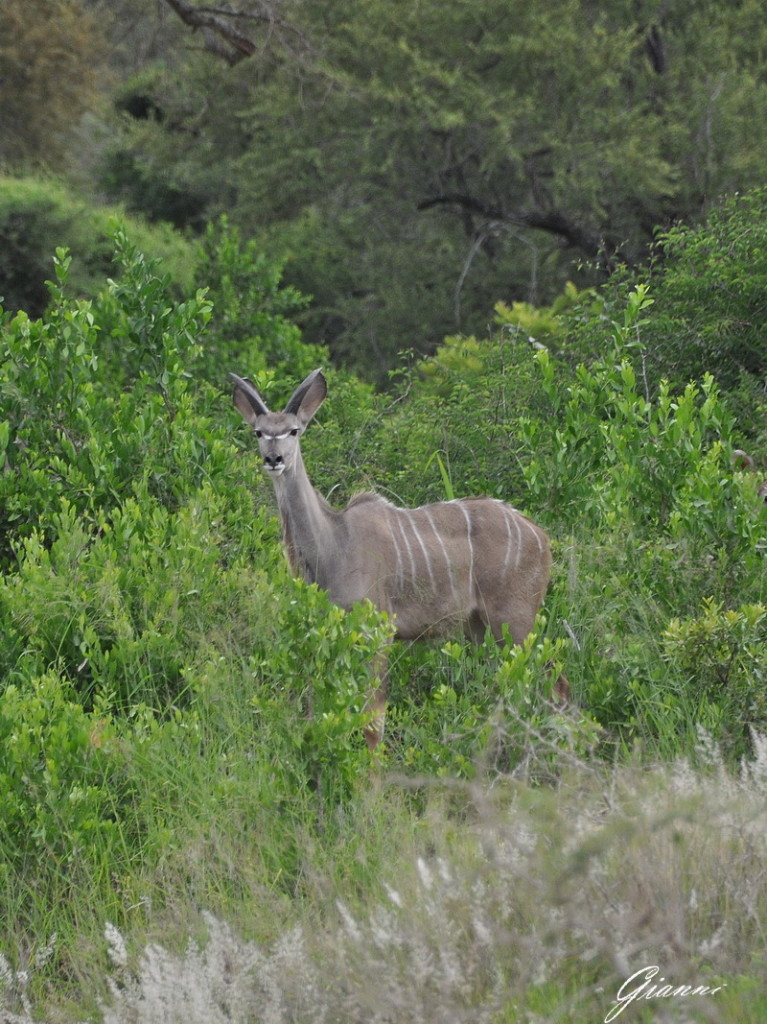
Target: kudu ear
<point x="247" y="399"/>
<point x="308" y="397"/>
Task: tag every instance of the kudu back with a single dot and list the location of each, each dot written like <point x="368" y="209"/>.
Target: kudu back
<point x="469" y="564"/>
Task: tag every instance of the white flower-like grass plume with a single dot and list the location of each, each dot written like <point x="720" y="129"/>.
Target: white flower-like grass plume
<point x="615" y="871"/>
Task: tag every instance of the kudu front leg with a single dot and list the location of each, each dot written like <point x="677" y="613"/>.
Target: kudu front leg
<point x="375" y="706"/>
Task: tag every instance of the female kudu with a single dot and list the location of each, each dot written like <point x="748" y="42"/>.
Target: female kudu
<point x="471" y="563"/>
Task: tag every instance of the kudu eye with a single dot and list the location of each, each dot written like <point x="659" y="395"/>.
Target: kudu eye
<point x="258" y="433"/>
<point x="294" y="432"/>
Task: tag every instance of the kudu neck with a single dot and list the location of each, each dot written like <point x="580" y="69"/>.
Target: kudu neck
<point x="310" y="525"/>
<point x="296" y="495"/>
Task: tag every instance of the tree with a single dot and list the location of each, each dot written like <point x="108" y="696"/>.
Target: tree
<point x="709" y="303"/>
<point x="421" y="161"/>
<point x="53" y="57"/>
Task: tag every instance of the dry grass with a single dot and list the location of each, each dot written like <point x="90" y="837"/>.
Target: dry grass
<point x="513" y="903"/>
<point x="536" y="906"/>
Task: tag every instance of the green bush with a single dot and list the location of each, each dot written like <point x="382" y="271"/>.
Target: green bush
<point x="454" y="432"/>
<point x="147" y="619"/>
<point x="251" y="330"/>
<point x="59" y="775"/>
<point x="721" y="654"/>
<point x="39" y="215"/>
<point x="709" y="293"/>
<point x="707" y="284"/>
<point x="658" y="523"/>
<point x="96" y="401"/>
<point x="316" y="659"/>
<point x="465" y="711"/>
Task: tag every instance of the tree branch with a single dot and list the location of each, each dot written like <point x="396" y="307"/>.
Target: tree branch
<point x="551" y="221"/>
<point x="220" y="35"/>
<point x="655" y="44"/>
<point x="557" y="224"/>
<point x="466" y="202"/>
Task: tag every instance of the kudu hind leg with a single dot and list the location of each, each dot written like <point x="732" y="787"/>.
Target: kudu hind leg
<point x="520" y="624"/>
<point x="375" y="706"/>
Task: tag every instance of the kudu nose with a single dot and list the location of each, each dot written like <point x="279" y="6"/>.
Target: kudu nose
<point x="272" y="461"/>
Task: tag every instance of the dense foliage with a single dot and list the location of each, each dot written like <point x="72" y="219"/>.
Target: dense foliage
<point x="52" y="53"/>
<point x="419" y="162"/>
<point x="166" y="682"/>
<point x="37" y="215"/>
<point x="415" y="163"/>
<point x="429" y="196"/>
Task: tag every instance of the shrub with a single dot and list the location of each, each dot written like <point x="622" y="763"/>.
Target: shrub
<point x="72" y="431"/>
<point x="251" y="331"/>
<point x="133" y="565"/>
<point x="465" y="711"/>
<point x="708" y="283"/>
<point x="59" y="774"/>
<point x="721" y="654"/>
<point x="39" y="215"/>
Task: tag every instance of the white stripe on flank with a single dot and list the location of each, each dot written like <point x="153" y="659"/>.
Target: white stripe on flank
<point x="508" y="519"/>
<point x="391" y="512"/>
<point x="407" y="542"/>
<point x="423" y="548"/>
<point x="471" y="549"/>
<point x="438" y="535"/>
<point x="535" y="533"/>
<point x="515" y="517"/>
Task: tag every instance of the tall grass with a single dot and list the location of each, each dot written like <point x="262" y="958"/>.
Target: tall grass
<point x="499" y="903"/>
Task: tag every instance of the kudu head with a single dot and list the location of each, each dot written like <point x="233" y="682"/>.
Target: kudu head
<point x="278" y="433"/>
<point x="741" y="460"/>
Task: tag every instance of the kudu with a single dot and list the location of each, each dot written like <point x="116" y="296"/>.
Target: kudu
<point x="743" y="461"/>
<point x="471" y="563"/>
